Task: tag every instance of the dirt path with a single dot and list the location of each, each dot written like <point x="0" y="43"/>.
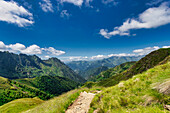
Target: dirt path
<point x="82" y="104"/>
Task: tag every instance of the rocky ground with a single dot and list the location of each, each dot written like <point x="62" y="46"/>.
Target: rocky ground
<point x="82" y="104"/>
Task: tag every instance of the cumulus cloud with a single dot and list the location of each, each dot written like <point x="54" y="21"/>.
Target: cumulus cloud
<point x="74" y="58"/>
<point x="11" y="12"/>
<point x="16" y="46"/>
<point x="64" y="14"/>
<point x="151" y="18"/>
<point x="75" y="2"/>
<point x="87" y="3"/>
<point x="33" y="49"/>
<point x="30" y="50"/>
<point x="52" y="51"/>
<point x="46" y="5"/>
<point x="166" y="47"/>
<point x="2" y="45"/>
<point x="109" y="2"/>
<point x="136" y="52"/>
<point x="98" y="57"/>
<point x="146" y="50"/>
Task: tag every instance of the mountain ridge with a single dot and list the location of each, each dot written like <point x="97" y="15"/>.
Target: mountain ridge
<point x="147" y="62"/>
<point x="81" y="67"/>
<point x="29" y="66"/>
<point x="111" y="72"/>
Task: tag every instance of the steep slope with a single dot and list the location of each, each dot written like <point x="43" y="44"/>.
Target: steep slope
<point x="44" y="87"/>
<point x="4" y="83"/>
<point x="15" y="66"/>
<point x="94" y="71"/>
<point x="20" y="105"/>
<point x="81" y="67"/>
<point x="141" y="94"/>
<point x="56" y="105"/>
<point x="50" y="84"/>
<point x="11" y="90"/>
<point x="111" y="72"/>
<point x="149" y="61"/>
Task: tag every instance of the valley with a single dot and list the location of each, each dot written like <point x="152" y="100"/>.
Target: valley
<point x="84" y="56"/>
<point x="136" y="86"/>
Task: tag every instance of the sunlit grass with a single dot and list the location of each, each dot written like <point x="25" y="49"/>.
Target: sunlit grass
<point x="135" y="95"/>
<point x="58" y="104"/>
<point x="20" y="105"/>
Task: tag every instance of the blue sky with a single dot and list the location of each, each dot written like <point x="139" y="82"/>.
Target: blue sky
<point x="84" y="29"/>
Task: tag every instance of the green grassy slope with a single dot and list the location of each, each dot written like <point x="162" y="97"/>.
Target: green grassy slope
<point x="149" y="61"/>
<point x="15" y="66"/>
<point x="140" y="94"/>
<point x="44" y="87"/>
<point x="111" y="72"/>
<point x="11" y="90"/>
<point x="4" y="83"/>
<point x="94" y="71"/>
<point x="56" y="105"/>
<point x="20" y="105"/>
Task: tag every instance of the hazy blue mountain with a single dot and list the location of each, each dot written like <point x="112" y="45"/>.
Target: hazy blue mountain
<point x="83" y="67"/>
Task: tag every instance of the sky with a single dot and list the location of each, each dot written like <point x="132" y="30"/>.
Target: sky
<point x="74" y="30"/>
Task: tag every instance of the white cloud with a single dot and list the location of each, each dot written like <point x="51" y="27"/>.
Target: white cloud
<point x="146" y="50"/>
<point x="74" y="58"/>
<point x="151" y="18"/>
<point x="98" y="57"/>
<point x="109" y="2"/>
<point x="121" y="55"/>
<point x="166" y="47"/>
<point x="46" y="57"/>
<point x="11" y="12"/>
<point x="135" y="52"/>
<point x="16" y="47"/>
<point x="2" y="45"/>
<point x="33" y="49"/>
<point x="75" y="2"/>
<point x="30" y="50"/>
<point x="87" y="3"/>
<point x="64" y="14"/>
<point x="46" y="6"/>
<point x="52" y="51"/>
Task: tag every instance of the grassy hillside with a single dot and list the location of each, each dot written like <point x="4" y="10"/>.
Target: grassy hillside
<point x="50" y="84"/>
<point x="15" y="66"/>
<point x="11" y="90"/>
<point x="4" y="83"/>
<point x="83" y="67"/>
<point x="144" y="93"/>
<point x="94" y="71"/>
<point x="111" y="72"/>
<point x="20" y="105"/>
<point x="56" y="105"/>
<point x="149" y="61"/>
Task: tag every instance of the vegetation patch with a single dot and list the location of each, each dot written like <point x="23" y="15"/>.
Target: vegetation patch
<point x="58" y="104"/>
<point x="20" y="105"/>
<point x="136" y="94"/>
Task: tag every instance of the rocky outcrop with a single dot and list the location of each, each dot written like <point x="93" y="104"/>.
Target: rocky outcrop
<point x="163" y="87"/>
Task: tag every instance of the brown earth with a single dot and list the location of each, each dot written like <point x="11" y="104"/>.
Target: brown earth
<point x="82" y="104"/>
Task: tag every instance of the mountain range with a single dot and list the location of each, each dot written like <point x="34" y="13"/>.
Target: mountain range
<point x="131" y="86"/>
<point x="111" y="72"/>
<point x="147" y="62"/>
<point x="15" y="66"/>
<point x="83" y="67"/>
